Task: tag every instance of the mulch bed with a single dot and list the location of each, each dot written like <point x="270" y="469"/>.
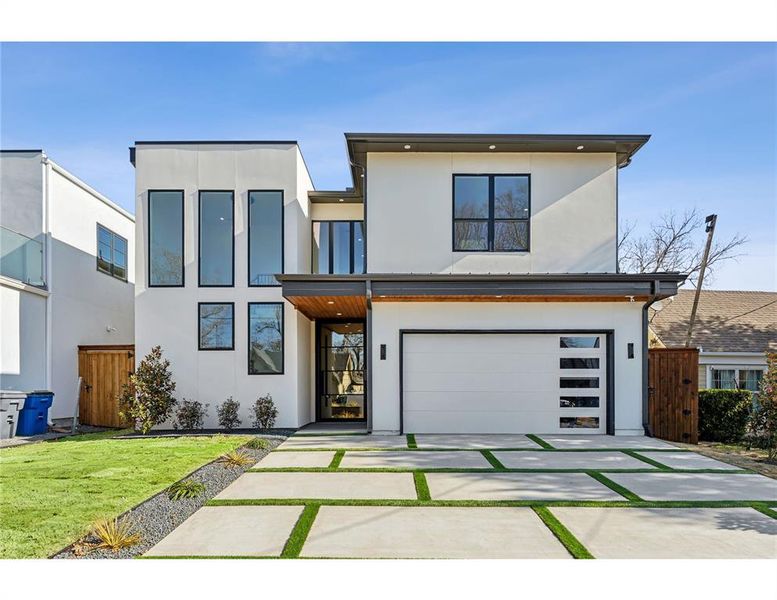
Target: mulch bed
<point x="754" y="459"/>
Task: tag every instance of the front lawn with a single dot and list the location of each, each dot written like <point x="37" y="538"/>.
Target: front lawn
<point x="52" y="492"/>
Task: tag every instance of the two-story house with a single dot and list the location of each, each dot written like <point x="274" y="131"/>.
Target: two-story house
<point x="464" y="284"/>
<point x="66" y="275"/>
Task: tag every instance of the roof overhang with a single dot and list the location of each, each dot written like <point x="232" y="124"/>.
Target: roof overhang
<point x="349" y="196"/>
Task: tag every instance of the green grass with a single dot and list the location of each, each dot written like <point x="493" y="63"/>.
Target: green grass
<point x="540" y="441"/>
<point x="628" y="494"/>
<point x="647" y="460"/>
<point x="769" y="512"/>
<point x="411" y="443"/>
<point x="336" y="460"/>
<point x="492" y="460"/>
<point x="52" y="492"/>
<point x="421" y="486"/>
<point x="300" y="532"/>
<point x="570" y="542"/>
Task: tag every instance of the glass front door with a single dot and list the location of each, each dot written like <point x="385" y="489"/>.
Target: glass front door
<point x="340" y="366"/>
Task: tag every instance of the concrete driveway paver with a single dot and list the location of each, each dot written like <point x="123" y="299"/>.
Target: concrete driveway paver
<point x="231" y="531"/>
<point x="585" y="442"/>
<point x="697" y="486"/>
<point x="284" y="460"/>
<point x="517" y="486"/>
<point x="303" y="442"/>
<point x="569" y="460"/>
<point x="413" y="459"/>
<point x="672" y="532"/>
<point x="424" y="532"/>
<point x="331" y="485"/>
<point x="469" y="441"/>
<point x="687" y="460"/>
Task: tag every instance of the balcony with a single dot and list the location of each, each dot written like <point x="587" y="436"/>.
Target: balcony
<point x="21" y="258"/>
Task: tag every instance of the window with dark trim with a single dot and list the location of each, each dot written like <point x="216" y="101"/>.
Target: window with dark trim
<point x="579" y="402"/>
<point x="579" y="363"/>
<point x="265" y="338"/>
<point x="265" y="237"/>
<point x="579" y="382"/>
<point x="165" y="238"/>
<point x="216" y="325"/>
<point x="216" y="226"/>
<point x="111" y="253"/>
<point x="578" y="342"/>
<point x="579" y="422"/>
<point x="491" y="213"/>
<point x="338" y="247"/>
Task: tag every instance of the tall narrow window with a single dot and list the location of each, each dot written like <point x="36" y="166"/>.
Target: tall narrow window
<point x="265" y="237"/>
<point x="265" y="338"/>
<point x="217" y="239"/>
<point x="165" y="238"/>
<point x="338" y="247"/>
<point x="216" y="322"/>
<point x="111" y="253"/>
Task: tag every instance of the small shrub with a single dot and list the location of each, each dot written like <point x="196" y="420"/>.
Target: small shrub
<point x="763" y="422"/>
<point x="258" y="443"/>
<point x="723" y="414"/>
<point x="228" y="414"/>
<point x="265" y="412"/>
<point x="116" y="534"/>
<point x="147" y="399"/>
<point x="190" y="414"/>
<point x="236" y="458"/>
<point x="188" y="488"/>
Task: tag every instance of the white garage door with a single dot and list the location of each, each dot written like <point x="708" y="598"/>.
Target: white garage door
<point x="504" y="383"/>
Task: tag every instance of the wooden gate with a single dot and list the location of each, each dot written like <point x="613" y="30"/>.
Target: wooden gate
<point x="673" y="394"/>
<point x="104" y="370"/>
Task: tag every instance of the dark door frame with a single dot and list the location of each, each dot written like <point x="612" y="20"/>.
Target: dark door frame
<point x="319" y="372"/>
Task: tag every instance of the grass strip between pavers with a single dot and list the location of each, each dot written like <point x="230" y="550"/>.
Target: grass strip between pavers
<point x="566" y="537"/>
<point x="300" y="532"/>
<point x="411" y="443"/>
<point x="538" y="440"/>
<point x="421" y="486"/>
<point x="336" y="460"/>
<point x="493" y="460"/>
<point x="626" y="493"/>
<point x="763" y="509"/>
<point x="647" y="460"/>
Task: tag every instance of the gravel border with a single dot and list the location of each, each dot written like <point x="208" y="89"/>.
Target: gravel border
<point x="156" y="517"/>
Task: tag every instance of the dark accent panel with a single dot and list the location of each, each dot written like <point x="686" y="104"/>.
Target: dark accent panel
<point x="578" y="363"/>
<point x="324" y="288"/>
<point x="630" y="350"/>
<point x="383" y="352"/>
<point x="508" y="287"/>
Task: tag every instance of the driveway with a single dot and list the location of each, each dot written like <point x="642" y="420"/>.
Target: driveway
<point x="482" y="496"/>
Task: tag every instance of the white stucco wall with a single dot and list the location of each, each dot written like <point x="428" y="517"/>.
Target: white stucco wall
<point x="623" y="317"/>
<point x="337" y="212"/>
<point x="22" y="338"/>
<point x="168" y="316"/>
<point x="410" y="208"/>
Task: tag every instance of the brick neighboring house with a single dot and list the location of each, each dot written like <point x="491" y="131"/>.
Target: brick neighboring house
<point x="733" y="331"/>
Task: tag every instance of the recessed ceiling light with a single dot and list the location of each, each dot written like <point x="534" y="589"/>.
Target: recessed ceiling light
<point x="341" y="200"/>
<point x="407" y="146"/>
<point x="492" y="147"/>
<point x="330" y="302"/>
<point x="580" y="147"/>
<point x="499" y="296"/>
<point x="382" y="295"/>
<point x="339" y="314"/>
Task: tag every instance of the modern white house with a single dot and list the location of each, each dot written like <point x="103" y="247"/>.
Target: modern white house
<point x="463" y="284"/>
<point x="66" y="275"/>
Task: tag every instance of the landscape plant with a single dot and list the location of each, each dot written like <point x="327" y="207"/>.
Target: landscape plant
<point x="265" y="412"/>
<point x="229" y="414"/>
<point x="188" y="488"/>
<point x="236" y="458"/>
<point x="116" y="534"/>
<point x="723" y="414"/>
<point x="258" y="443"/>
<point x="147" y="399"/>
<point x="190" y="415"/>
<point x="763" y="422"/>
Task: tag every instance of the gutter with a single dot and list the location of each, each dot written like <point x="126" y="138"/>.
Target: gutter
<point x="645" y="372"/>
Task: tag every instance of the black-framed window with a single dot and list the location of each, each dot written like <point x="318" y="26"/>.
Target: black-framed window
<point x="165" y="238"/>
<point x="265" y="338"/>
<point x="216" y="325"/>
<point x="338" y="247"/>
<point x="491" y="213"/>
<point x="265" y="237"/>
<point x="216" y="226"/>
<point x="111" y="253"/>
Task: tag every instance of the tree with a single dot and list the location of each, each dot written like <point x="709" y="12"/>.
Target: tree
<point x="674" y="243"/>
<point x="148" y="398"/>
<point x="763" y="424"/>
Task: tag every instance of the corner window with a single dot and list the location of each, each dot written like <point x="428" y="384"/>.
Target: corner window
<point x="111" y="253"/>
<point x="217" y="239"/>
<point x="216" y="325"/>
<point x="265" y="338"/>
<point x="265" y="237"/>
<point x="165" y="238"/>
<point x="491" y="213"/>
<point x="338" y="247"/>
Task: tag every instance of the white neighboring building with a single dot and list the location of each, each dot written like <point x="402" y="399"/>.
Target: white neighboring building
<point x="464" y="284"/>
<point x="55" y="293"/>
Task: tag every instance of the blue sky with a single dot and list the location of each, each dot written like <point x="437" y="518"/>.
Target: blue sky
<point x="711" y="109"/>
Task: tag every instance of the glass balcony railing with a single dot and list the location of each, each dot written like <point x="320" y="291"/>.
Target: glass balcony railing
<point x="21" y="258"/>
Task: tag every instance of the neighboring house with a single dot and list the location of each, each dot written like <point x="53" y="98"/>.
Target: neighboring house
<point x="465" y="283"/>
<point x="733" y="331"/>
<point x="66" y="275"/>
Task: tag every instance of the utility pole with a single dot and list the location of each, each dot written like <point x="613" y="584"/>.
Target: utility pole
<point x="710" y="229"/>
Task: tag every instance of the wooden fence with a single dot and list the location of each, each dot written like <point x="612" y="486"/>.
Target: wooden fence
<point x="104" y="370"/>
<point x="673" y="394"/>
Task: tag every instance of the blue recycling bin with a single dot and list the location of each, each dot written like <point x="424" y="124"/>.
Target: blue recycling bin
<point x="34" y="417"/>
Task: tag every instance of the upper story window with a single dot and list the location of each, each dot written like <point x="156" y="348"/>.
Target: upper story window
<point x="265" y="237"/>
<point x="491" y="213"/>
<point x="165" y="238"/>
<point x="217" y="238"/>
<point x="338" y="247"/>
<point x="111" y="253"/>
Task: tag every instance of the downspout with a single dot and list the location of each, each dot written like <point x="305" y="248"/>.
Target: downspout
<point x="368" y="350"/>
<point x="645" y="373"/>
<point x="48" y="274"/>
